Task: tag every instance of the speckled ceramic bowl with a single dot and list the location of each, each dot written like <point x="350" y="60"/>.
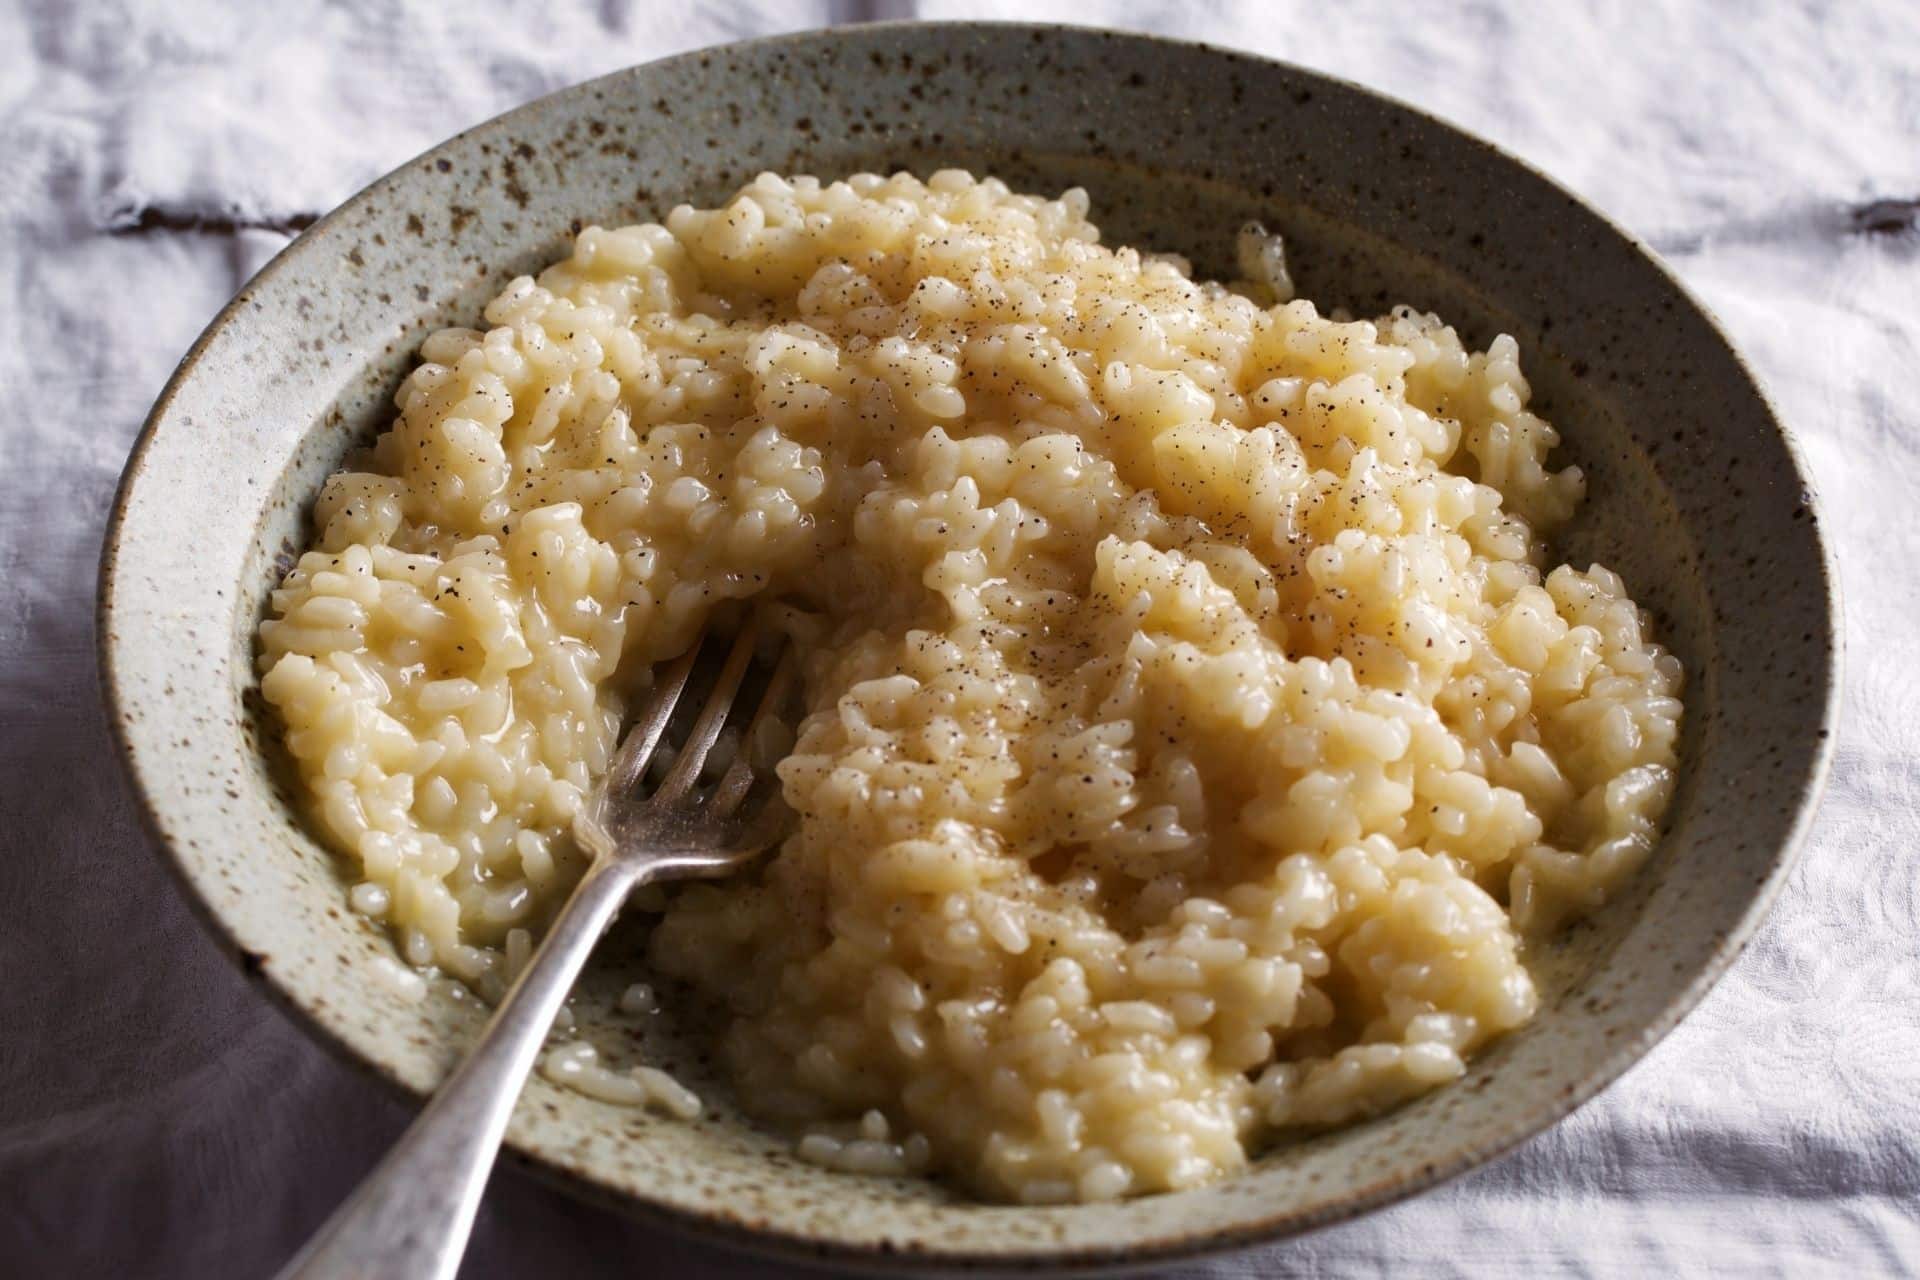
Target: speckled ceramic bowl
<point x="1696" y="497"/>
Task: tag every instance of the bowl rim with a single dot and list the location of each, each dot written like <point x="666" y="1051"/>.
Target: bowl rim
<point x="775" y="1242"/>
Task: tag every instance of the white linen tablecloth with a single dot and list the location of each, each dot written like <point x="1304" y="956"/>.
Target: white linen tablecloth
<point x="158" y="1118"/>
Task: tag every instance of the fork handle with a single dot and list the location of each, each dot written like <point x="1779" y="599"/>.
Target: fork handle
<point x="409" y="1220"/>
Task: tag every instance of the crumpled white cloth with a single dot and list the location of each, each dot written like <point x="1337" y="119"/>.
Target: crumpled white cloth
<point x="158" y="1118"/>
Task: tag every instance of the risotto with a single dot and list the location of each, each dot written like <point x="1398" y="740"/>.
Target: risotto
<point x="1196" y="730"/>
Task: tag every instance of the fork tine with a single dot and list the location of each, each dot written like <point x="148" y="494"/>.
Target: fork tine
<point x="713" y="717"/>
<point x="739" y="777"/>
<point x="637" y="747"/>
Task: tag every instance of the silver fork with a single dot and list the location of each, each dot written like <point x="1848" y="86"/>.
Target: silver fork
<point x="410" y="1218"/>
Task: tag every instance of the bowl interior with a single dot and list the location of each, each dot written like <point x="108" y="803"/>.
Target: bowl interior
<point x="1694" y="496"/>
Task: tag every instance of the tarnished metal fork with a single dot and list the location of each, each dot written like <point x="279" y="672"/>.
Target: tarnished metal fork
<point x="410" y="1218"/>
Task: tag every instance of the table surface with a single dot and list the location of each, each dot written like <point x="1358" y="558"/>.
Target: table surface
<point x="158" y="1118"/>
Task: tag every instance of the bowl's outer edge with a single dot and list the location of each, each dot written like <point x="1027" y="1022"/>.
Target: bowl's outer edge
<point x="131" y="749"/>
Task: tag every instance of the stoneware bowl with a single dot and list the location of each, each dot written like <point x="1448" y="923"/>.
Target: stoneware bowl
<point x="1696" y="496"/>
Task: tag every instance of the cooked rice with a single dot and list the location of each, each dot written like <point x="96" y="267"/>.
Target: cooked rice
<point x="1196" y="727"/>
<point x="576" y="1064"/>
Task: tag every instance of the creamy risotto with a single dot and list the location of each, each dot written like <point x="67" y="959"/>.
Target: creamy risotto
<point x="1197" y="727"/>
